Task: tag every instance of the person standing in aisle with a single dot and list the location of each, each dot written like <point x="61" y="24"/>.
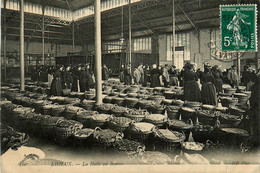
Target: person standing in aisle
<point x="217" y="74"/>
<point x="155" y="81"/>
<point x="105" y="73"/>
<point x="122" y="75"/>
<point x="128" y="77"/>
<point x="68" y="80"/>
<point x="173" y="76"/>
<point x="191" y="87"/>
<point x="137" y="76"/>
<point x="208" y="90"/>
<point x="141" y="71"/>
<point x="254" y="111"/>
<point x="145" y="76"/>
<point x="90" y="81"/>
<point x="233" y="77"/>
<point x="62" y="77"/>
<point x="245" y="78"/>
<point x="75" y="76"/>
<point x="83" y="79"/>
<point x="165" y="76"/>
<point x="56" y="83"/>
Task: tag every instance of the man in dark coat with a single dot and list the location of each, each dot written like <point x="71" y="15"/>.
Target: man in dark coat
<point x="105" y="72"/>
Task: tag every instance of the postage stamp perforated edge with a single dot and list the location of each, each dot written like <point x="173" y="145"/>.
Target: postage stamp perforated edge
<point x="256" y="28"/>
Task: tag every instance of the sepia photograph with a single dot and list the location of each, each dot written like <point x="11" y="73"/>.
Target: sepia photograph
<point x="130" y="86"/>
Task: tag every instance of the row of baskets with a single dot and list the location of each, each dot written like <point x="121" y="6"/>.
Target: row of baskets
<point x="23" y="117"/>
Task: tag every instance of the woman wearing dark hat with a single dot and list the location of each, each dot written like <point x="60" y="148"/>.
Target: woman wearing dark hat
<point x="191" y="87"/>
<point x="217" y="74"/>
<point x="208" y="90"/>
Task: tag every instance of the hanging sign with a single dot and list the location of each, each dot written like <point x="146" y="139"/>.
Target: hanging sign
<point x="238" y="26"/>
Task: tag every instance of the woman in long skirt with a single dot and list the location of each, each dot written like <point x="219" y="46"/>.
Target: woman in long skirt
<point x="208" y="90"/>
<point x="56" y="84"/>
<point x="155" y="81"/>
<point x="217" y="74"/>
<point x="191" y="86"/>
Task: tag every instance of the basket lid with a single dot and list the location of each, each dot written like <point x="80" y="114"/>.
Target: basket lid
<point x="179" y="124"/>
<point x="194" y="146"/>
<point x="237" y="131"/>
<point x="187" y="109"/>
<point x="143" y="127"/>
<point x="155" y="157"/>
<point x="208" y="106"/>
<point x="169" y="135"/>
<point x="83" y="133"/>
<point x="155" y="117"/>
<point x="100" y="117"/>
<point x="121" y="120"/>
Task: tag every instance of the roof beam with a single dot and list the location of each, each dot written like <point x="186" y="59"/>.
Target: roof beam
<point x="188" y="17"/>
<point x="39" y="37"/>
<point x="36" y="30"/>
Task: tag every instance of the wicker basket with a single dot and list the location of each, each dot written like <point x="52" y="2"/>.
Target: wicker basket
<point x="157" y="109"/>
<point x="95" y="121"/>
<point x="229" y="119"/>
<point x="66" y="92"/>
<point x="131" y="102"/>
<point x="138" y="135"/>
<point x="83" y="117"/>
<point x="188" y="113"/>
<point x="119" y="124"/>
<point x="165" y="143"/>
<point x="104" y="139"/>
<point x="157" y="122"/>
<point x="230" y="90"/>
<point x="232" y="136"/>
<point x="206" y="117"/>
<point x="145" y="104"/>
<point x="136" y="115"/>
<point x="83" y="138"/>
<point x="201" y="133"/>
<point x="119" y="101"/>
<point x="173" y="112"/>
<point x="47" y="109"/>
<point x="48" y="127"/>
<point x="192" y="147"/>
<point x="63" y="134"/>
<point x="88" y="104"/>
<point x="118" y="111"/>
<point x="71" y="111"/>
<point x="35" y="124"/>
<point x="57" y="110"/>
<point x="104" y="108"/>
<point x="181" y="126"/>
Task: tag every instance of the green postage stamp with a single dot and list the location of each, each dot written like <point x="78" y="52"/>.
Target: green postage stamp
<point x="238" y="26"/>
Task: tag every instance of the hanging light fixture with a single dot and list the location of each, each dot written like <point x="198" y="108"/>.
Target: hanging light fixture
<point x="122" y="26"/>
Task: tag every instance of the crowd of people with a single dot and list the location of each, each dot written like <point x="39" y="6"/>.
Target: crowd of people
<point x="201" y="86"/>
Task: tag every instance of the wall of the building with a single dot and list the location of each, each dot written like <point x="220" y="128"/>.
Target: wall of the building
<point x="199" y="44"/>
<point x="36" y="48"/>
